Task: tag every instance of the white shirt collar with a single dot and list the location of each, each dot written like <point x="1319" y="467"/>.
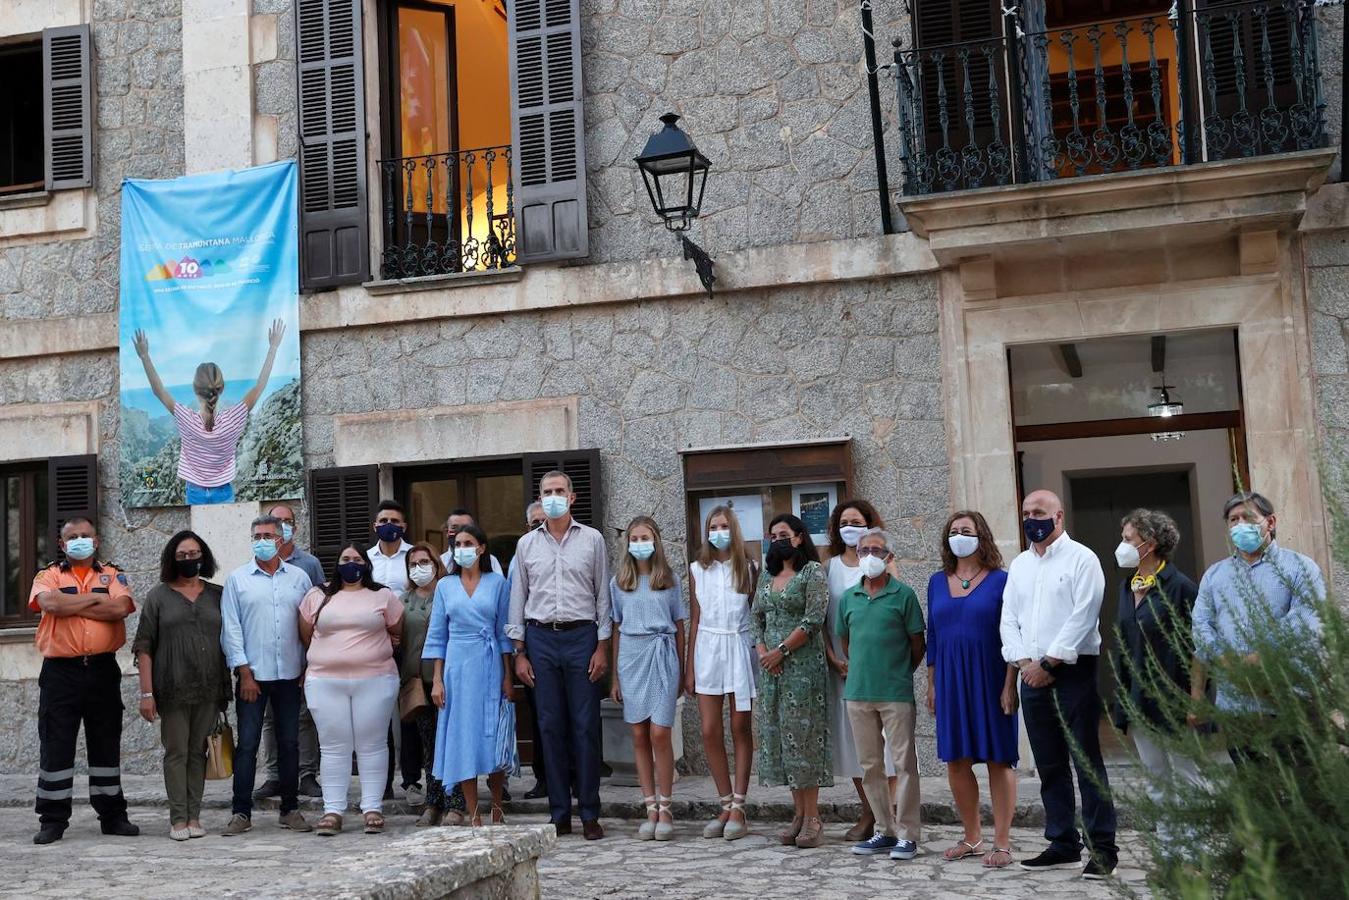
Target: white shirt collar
<point x="403" y="548"/>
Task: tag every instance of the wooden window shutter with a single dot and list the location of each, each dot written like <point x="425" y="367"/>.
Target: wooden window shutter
<point x="549" y="160"/>
<point x="583" y="466"/>
<point x="334" y="231"/>
<point x="342" y="505"/>
<point x="72" y="490"/>
<point x="68" y="106"/>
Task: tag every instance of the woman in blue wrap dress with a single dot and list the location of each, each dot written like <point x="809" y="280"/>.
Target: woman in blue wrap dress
<point x="475" y="732"/>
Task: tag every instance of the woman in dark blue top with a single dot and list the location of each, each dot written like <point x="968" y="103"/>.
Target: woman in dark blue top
<point x="970" y="689"/>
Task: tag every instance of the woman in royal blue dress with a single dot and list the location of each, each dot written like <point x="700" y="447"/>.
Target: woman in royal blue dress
<point x="970" y="689"/>
<point x="466" y="637"/>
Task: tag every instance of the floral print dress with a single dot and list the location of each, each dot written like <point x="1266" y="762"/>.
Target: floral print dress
<point x="791" y="710"/>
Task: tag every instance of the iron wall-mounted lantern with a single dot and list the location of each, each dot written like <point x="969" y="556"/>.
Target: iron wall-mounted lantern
<point x="675" y="174"/>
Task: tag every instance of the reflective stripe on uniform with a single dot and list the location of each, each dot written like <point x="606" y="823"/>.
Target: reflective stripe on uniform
<point x="44" y="794"/>
<point x="56" y="776"/>
<point x="105" y="771"/>
<point x="105" y="790"/>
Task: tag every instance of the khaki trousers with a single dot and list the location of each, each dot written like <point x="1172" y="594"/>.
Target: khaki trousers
<point x="873" y="726"/>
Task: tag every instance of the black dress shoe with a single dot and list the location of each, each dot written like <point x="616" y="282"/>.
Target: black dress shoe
<point x="269" y="789"/>
<point x="538" y="791"/>
<point x="592" y="830"/>
<point x="563" y="827"/>
<point x="309" y="787"/>
<point x="121" y="828"/>
<point x="49" y="834"/>
<point x="505" y="794"/>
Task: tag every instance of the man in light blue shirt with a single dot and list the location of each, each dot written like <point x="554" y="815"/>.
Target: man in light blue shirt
<point x="1261" y="587"/>
<point x="261" y="639"/>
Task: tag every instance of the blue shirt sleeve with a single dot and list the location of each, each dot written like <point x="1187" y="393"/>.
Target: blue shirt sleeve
<point x="231" y="626"/>
<point x="1203" y="626"/>
<point x="438" y="627"/>
<point x="678" y="609"/>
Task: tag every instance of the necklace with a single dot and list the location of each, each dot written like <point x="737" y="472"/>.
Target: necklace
<point x="965" y="582"/>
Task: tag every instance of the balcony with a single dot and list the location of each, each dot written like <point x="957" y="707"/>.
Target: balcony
<point x="447" y="213"/>
<point x="1039" y="104"/>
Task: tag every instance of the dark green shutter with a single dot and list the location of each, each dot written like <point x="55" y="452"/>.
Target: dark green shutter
<point x="548" y="165"/>
<point x="341" y="507"/>
<point x="68" y="107"/>
<point x="334" y="228"/>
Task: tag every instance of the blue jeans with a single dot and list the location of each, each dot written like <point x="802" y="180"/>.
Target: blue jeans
<point x="284" y="697"/>
<point x="199" y="496"/>
<point x="1074" y="694"/>
<point x="568" y="704"/>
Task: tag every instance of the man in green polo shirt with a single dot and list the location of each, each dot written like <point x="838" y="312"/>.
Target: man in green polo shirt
<point x="881" y="624"/>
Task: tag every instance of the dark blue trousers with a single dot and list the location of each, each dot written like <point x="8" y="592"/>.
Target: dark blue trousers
<point x="1074" y="694"/>
<point x="569" y="716"/>
<point x="285" y="699"/>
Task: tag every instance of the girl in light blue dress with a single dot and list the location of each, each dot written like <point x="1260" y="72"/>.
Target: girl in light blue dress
<point x="648" y="639"/>
<point x="466" y="637"/>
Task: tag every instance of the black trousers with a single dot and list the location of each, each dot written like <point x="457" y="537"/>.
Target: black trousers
<point x="82" y="689"/>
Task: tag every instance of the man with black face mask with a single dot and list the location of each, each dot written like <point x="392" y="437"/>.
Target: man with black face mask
<point x="1050" y="613"/>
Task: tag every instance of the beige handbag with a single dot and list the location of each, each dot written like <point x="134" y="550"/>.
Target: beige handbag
<point x="412" y="699"/>
<point x="220" y="751"/>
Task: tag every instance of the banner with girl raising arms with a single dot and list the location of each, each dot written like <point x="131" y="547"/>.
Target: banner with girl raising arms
<point x="210" y="339"/>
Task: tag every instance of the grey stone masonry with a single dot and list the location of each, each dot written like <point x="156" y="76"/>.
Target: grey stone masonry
<point x="1327" y="258"/>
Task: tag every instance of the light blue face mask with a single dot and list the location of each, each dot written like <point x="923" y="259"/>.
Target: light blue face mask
<point x="264" y="549"/>
<point x="80" y="548"/>
<point x="1246" y="537"/>
<point x="287" y="532"/>
<point x="465" y="556"/>
<point x="554" y="507"/>
<point x="719" y="539"/>
<point x="641" y="549"/>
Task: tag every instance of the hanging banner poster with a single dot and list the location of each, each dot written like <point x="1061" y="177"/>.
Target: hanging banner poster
<point x="210" y="339"/>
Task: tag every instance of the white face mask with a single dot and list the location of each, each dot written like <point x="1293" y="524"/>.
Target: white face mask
<point x="422" y="574"/>
<point x="872" y="566"/>
<point x="1126" y="555"/>
<point x="963" y="545"/>
<point x="851" y="534"/>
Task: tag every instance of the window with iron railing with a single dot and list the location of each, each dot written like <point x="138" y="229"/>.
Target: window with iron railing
<point x="995" y="96"/>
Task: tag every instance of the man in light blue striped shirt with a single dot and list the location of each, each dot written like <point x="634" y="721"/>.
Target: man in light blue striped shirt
<point x="259" y="612"/>
<point x="1259" y="588"/>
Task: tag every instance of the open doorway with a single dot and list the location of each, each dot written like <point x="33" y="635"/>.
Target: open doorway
<point x="1143" y="421"/>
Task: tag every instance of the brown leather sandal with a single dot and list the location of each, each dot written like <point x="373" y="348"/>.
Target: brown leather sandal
<point x="329" y="825"/>
<point x="374" y="823"/>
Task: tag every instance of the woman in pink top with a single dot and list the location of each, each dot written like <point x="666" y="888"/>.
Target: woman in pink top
<point x="209" y="437"/>
<point x="351" y="626"/>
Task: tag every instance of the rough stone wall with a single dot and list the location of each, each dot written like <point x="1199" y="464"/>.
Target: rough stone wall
<point x="1326" y="255"/>
<point x="821" y="361"/>
<point x="274" y="81"/>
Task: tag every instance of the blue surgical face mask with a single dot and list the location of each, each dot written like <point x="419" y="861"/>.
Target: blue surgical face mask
<point x="389" y="532"/>
<point x="465" y="556"/>
<point x="641" y="549"/>
<point x="721" y="539"/>
<point x="287" y="532"/>
<point x="1246" y="537"/>
<point x="80" y="548"/>
<point x="1037" y="530"/>
<point x="554" y="507"/>
<point x="265" y="549"/>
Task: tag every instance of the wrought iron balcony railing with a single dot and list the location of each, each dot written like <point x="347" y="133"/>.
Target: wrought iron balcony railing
<point x="1038" y="103"/>
<point x="448" y="212"/>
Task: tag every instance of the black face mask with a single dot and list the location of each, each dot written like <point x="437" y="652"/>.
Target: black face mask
<point x="781" y="550"/>
<point x="351" y="572"/>
<point x="187" y="568"/>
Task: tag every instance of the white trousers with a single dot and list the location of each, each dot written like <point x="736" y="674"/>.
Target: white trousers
<point x="352" y="714"/>
<point x="1163" y="766"/>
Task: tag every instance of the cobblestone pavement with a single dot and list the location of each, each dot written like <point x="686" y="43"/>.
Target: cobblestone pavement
<point x="270" y="861"/>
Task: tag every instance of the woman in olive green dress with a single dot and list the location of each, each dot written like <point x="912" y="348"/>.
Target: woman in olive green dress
<point x="787" y="619"/>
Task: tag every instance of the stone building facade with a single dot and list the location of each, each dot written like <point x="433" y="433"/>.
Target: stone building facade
<point x="821" y="327"/>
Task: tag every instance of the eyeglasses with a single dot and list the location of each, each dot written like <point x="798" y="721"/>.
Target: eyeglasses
<point x="873" y="551"/>
<point x="187" y="555"/>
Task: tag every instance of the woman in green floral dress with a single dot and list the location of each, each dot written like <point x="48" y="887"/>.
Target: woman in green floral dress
<point x="787" y="619"/>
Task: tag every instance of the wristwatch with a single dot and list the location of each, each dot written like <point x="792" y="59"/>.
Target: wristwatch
<point x="147" y="695"/>
<point x="782" y="648"/>
<point x="1044" y="664"/>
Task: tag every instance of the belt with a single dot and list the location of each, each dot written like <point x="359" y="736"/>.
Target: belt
<point x="560" y="626"/>
<point x="82" y="660"/>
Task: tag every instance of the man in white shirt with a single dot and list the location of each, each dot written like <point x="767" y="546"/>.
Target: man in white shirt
<point x="388" y="558"/>
<point x="459" y="518"/>
<point x="1050" y="613"/>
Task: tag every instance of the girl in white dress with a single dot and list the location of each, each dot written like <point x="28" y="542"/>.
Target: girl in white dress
<point x="849" y="521"/>
<point x="720" y="586"/>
